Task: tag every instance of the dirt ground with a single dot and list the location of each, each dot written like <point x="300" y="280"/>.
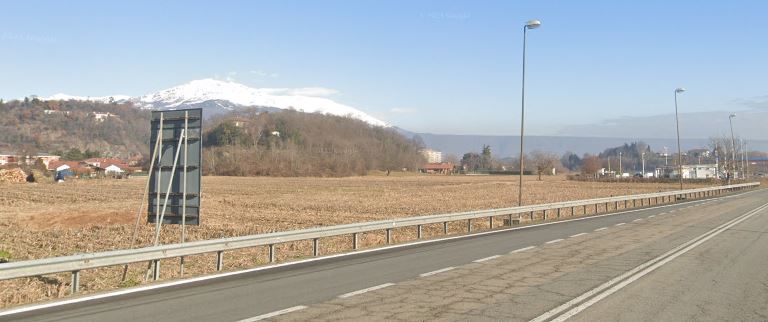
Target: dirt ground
<point x="46" y="219"/>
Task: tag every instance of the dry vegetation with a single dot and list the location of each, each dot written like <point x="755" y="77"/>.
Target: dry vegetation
<point x="43" y="220"/>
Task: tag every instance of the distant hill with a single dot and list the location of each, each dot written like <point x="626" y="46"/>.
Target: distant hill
<point x="35" y="126"/>
<point x="506" y="146"/>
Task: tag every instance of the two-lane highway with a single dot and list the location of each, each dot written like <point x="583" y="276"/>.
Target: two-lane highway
<point x="526" y="272"/>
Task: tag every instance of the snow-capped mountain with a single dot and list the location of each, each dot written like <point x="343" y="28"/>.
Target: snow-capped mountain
<point x="216" y="96"/>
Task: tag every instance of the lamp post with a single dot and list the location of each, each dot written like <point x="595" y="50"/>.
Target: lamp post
<point x="733" y="146"/>
<point x="679" y="149"/>
<point x="642" y="155"/>
<point x="621" y="170"/>
<point x="532" y="24"/>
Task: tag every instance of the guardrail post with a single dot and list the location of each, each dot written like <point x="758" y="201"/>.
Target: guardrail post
<point x="445" y="227"/>
<point x="469" y="225"/>
<point x="572" y="212"/>
<point x="531" y="215"/>
<point x="272" y="252"/>
<point x="418" y="231"/>
<point x="633" y="203"/>
<point x="510" y="220"/>
<point x="75" y="287"/>
<point x="156" y="270"/>
<point x="544" y="214"/>
<point x="596" y="208"/>
<point x="490" y="221"/>
<point x="219" y="260"/>
<point x="354" y="241"/>
<point x="585" y="209"/>
<point x="389" y="236"/>
<point x="558" y="212"/>
<point x="315" y="247"/>
<point x="616" y="205"/>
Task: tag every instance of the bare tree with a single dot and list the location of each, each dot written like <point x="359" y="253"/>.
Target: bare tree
<point x="544" y="161"/>
<point x="590" y="164"/>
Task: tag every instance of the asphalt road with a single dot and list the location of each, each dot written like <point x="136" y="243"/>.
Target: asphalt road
<point x="599" y="248"/>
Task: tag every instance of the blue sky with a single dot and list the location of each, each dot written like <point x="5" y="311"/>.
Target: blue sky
<point x="428" y="66"/>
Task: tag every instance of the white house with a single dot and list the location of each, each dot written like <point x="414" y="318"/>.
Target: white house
<point x="113" y="169"/>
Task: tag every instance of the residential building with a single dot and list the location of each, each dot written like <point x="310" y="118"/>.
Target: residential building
<point x="432" y="156"/>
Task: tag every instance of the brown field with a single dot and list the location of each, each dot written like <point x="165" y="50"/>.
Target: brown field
<point x="44" y="220"/>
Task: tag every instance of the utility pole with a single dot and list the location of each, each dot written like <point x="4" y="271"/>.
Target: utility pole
<point x="642" y="155"/>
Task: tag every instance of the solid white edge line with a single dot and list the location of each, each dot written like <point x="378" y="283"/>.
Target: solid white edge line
<point x="637" y="275"/>
<point x="365" y="290"/>
<point x="577" y="235"/>
<point x="486" y="259"/>
<point x="565" y="306"/>
<point x="436" y="272"/>
<point x="554" y="241"/>
<point x="107" y="294"/>
<point x="522" y="249"/>
<point x="601" y="228"/>
<point x="274" y="314"/>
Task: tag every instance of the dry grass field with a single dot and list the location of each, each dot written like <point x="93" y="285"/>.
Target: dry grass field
<point x="46" y="219"/>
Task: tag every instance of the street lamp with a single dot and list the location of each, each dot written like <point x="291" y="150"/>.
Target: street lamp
<point x="642" y="155"/>
<point x="679" y="150"/>
<point x="621" y="170"/>
<point x="532" y="24"/>
<point x="733" y="146"/>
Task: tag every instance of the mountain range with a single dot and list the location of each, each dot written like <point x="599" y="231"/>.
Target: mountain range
<point x="217" y="97"/>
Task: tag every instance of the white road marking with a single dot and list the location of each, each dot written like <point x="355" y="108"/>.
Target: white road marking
<point x="638" y="219"/>
<point x="274" y="314"/>
<point x="651" y="216"/>
<point x="625" y="279"/>
<point x="522" y="249"/>
<point x="365" y="290"/>
<point x="554" y="241"/>
<point x="577" y="235"/>
<point x="486" y="259"/>
<point x="603" y="228"/>
<point x="132" y="290"/>
<point x="621" y="223"/>
<point x="437" y="271"/>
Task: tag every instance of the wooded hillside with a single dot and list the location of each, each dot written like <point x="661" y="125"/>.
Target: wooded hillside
<point x="32" y="126"/>
<point x="292" y="143"/>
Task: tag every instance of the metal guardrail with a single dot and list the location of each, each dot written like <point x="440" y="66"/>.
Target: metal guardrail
<point x="76" y="263"/>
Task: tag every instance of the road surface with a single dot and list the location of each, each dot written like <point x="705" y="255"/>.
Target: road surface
<point x="699" y="260"/>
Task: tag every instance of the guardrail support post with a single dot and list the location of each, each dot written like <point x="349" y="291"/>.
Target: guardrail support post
<point x="75" y="282"/>
<point x="219" y="260"/>
<point x="510" y="220"/>
<point x="354" y="241"/>
<point x="531" y="215"/>
<point x="490" y="221"/>
<point x="418" y="231"/>
<point x="585" y="210"/>
<point x="156" y="270"/>
<point x="616" y="205"/>
<point x="558" y="212"/>
<point x="572" y="212"/>
<point x="445" y="228"/>
<point x="596" y="208"/>
<point x="389" y="236"/>
<point x="469" y="225"/>
<point x="272" y="254"/>
<point x="315" y="247"/>
<point x="544" y="214"/>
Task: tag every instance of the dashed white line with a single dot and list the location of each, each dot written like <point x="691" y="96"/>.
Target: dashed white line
<point x="621" y="223"/>
<point x="274" y="314"/>
<point x="522" y="249"/>
<point x="603" y="228"/>
<point x="651" y="216"/>
<point x="437" y="271"/>
<point x="577" y="235"/>
<point x="554" y="241"/>
<point x="486" y="259"/>
<point x="638" y="219"/>
<point x="365" y="290"/>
